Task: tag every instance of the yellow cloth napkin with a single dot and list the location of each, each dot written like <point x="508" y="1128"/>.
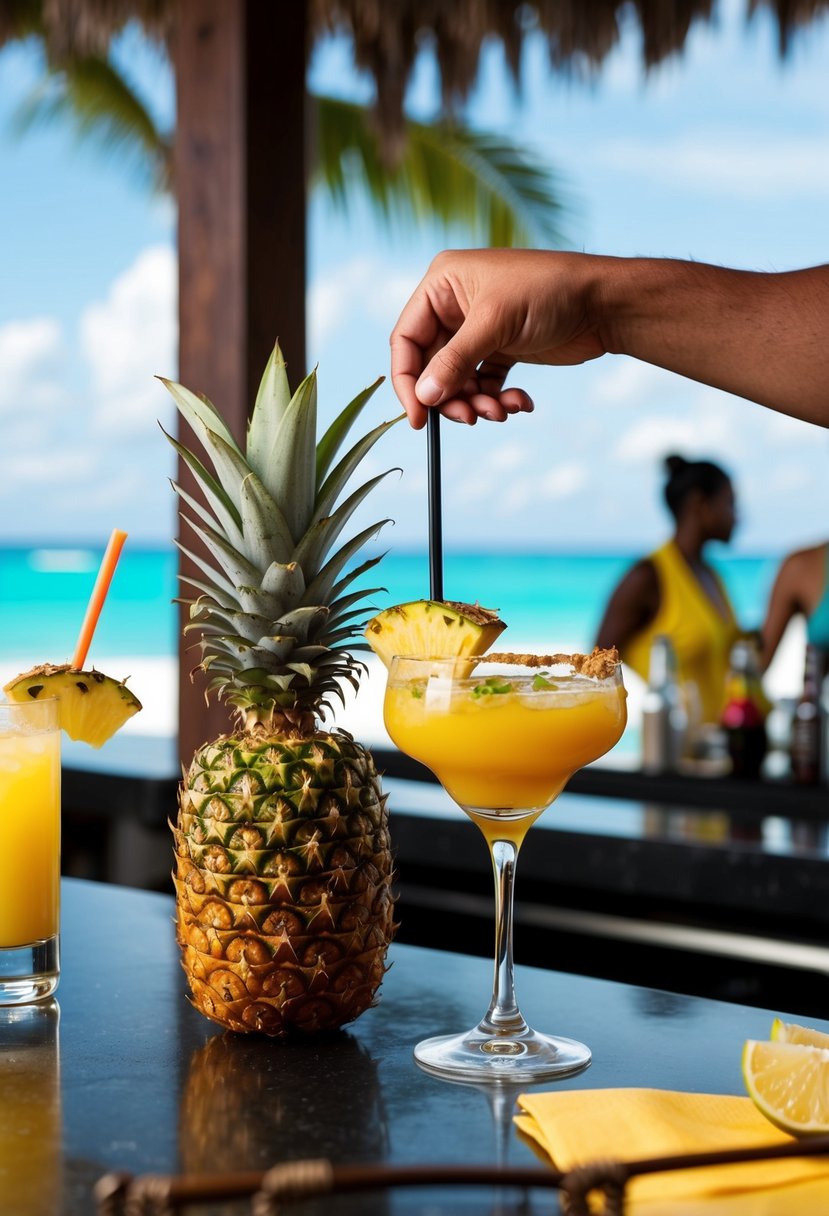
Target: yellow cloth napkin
<point x="576" y="1126"/>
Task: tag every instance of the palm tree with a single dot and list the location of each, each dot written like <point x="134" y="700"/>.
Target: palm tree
<point x="497" y="191"/>
<point x="446" y="172"/>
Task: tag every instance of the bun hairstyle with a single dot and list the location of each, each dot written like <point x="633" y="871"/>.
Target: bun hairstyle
<point x="685" y="476"/>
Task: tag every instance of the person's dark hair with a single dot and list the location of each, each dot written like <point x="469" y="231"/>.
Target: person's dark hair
<point x="684" y="476"/>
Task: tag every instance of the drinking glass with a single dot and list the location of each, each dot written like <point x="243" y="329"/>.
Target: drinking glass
<point x="30" y="854"/>
<point x="503" y="740"/>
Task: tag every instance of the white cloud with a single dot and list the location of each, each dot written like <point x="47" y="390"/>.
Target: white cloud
<point x="498" y="476"/>
<point x="328" y="300"/>
<point x="111" y="490"/>
<point x="747" y="164"/>
<point x="52" y="466"/>
<point x="516" y="497"/>
<point x="652" y="437"/>
<point x="360" y="285"/>
<point x="86" y="428"/>
<point x="781" y="430"/>
<point x="31" y="353"/>
<point x="390" y="293"/>
<point x="622" y="381"/>
<point x="564" y="480"/>
<point x="509" y="457"/>
<point x="128" y="339"/>
<point x="788" y="479"/>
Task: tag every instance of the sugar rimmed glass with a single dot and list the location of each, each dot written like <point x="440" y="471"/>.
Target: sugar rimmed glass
<point x="503" y="739"/>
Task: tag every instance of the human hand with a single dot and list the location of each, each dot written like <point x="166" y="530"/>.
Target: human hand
<point x="478" y="312"/>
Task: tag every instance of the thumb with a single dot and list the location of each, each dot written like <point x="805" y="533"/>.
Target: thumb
<point x="451" y="366"/>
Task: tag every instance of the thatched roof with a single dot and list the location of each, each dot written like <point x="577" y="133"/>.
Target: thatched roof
<point x="388" y="34"/>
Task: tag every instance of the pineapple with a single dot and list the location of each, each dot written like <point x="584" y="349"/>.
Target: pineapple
<point x="433" y="629"/>
<point x="92" y="706"/>
<point x="283" y="866"/>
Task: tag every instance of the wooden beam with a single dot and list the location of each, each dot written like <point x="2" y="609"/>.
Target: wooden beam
<point x="240" y="185"/>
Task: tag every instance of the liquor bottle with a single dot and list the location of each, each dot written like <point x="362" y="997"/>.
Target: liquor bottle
<point x="824" y="729"/>
<point x="805" y="747"/>
<point x="744" y="716"/>
<point x="664" y="721"/>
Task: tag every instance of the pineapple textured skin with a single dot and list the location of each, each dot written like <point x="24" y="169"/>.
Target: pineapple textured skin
<point x="283" y="867"/>
<point x="284" y="882"/>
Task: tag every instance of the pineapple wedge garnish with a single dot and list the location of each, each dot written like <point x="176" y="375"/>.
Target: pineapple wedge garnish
<point x="433" y="629"/>
<point x="92" y="706"/>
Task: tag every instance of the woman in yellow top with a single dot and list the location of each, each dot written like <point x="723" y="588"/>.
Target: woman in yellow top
<point x="675" y="592"/>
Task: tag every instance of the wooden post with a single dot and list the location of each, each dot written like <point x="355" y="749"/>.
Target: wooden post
<point x="240" y="185"/>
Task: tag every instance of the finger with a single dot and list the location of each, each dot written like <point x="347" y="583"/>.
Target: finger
<point x="493" y="372"/>
<point x="415" y="333"/>
<point x="454" y="363"/>
<point x="406" y="365"/>
<point x="516" y="401"/>
<point x="459" y="410"/>
<point x="488" y="407"/>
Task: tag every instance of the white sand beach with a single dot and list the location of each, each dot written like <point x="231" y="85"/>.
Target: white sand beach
<point x="155" y="682"/>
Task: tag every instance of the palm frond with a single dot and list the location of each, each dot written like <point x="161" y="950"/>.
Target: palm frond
<point x="102" y="106"/>
<point x="491" y="188"/>
<point x="447" y="172"/>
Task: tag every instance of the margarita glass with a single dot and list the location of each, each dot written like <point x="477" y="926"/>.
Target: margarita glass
<point x="503" y="738"/>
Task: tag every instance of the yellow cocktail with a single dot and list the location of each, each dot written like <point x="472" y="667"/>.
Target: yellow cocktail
<point x="503" y="741"/>
<point x="30" y="856"/>
<point x="509" y="749"/>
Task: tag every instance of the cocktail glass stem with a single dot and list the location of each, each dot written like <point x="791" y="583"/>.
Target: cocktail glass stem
<point x="503" y="1016"/>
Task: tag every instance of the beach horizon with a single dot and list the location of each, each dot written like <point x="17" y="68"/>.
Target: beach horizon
<point x="154" y="680"/>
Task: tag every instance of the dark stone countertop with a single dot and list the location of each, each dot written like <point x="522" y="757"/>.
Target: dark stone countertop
<point x="148" y="1085"/>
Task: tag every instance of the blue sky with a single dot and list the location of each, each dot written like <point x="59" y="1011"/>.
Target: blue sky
<point x="720" y="155"/>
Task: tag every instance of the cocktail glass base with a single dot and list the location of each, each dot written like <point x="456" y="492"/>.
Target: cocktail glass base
<point x="29" y="973"/>
<point x="479" y="1055"/>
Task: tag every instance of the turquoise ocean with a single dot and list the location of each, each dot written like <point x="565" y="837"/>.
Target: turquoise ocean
<point x="546" y="598"/>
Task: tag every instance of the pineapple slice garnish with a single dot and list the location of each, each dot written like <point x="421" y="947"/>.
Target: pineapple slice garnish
<point x="92" y="706"/>
<point x="433" y="629"/>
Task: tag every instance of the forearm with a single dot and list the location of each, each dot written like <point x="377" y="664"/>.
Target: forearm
<point x="761" y="336"/>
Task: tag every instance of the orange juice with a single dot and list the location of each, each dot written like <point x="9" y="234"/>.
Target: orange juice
<point x="30" y="834"/>
<point x="507" y="752"/>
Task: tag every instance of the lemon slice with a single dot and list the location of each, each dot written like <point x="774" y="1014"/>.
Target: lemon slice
<point x="789" y="1083"/>
<point x="790" y="1032"/>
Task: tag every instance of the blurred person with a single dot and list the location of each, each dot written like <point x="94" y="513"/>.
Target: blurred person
<point x="476" y="313"/>
<point x="801" y="588"/>
<point x="674" y="592"/>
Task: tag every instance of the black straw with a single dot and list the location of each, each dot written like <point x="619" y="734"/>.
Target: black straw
<point x="435" y="524"/>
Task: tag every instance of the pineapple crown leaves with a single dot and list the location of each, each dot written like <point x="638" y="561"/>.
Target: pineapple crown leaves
<point x="222" y="506"/>
<point x="275" y="621"/>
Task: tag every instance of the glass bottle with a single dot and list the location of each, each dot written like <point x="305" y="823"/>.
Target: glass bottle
<point x="805" y="747"/>
<point x="664" y="720"/>
<point x="824" y="728"/>
<point x="744" y="716"/>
